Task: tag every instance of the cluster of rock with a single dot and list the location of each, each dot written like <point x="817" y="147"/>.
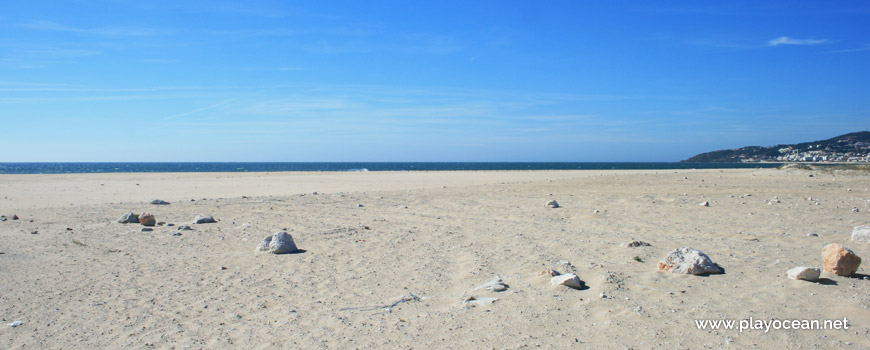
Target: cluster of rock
<point x="3" y="217"/>
<point x="836" y="259"/>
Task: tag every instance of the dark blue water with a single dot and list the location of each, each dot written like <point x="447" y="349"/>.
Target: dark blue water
<point x="72" y="168"/>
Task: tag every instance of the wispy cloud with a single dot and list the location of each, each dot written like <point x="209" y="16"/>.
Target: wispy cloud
<point x="105" y="31"/>
<point x="784" y="40"/>
<point x="217" y="106"/>
<point x="859" y="49"/>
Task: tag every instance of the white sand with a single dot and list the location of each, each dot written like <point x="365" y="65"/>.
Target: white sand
<point x="85" y="281"/>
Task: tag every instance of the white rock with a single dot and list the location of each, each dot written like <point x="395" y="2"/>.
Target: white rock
<point x="861" y="233"/>
<point x="200" y="219"/>
<point x="495" y="285"/>
<point x="704" y="204"/>
<point x="688" y="261"/>
<point x="552" y="203"/>
<point x="804" y="273"/>
<point x="278" y="243"/>
<point x="569" y="280"/>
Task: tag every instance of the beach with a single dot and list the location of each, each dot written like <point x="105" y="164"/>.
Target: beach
<point x="77" y="278"/>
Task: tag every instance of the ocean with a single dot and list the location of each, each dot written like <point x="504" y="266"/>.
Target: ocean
<point x="178" y="167"/>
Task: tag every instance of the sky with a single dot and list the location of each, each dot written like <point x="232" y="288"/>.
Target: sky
<point x="368" y="81"/>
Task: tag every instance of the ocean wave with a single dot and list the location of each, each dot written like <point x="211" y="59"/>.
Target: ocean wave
<point x="358" y="170"/>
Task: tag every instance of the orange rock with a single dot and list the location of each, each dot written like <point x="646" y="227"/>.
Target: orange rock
<point x="840" y="260"/>
<point x="147" y="219"/>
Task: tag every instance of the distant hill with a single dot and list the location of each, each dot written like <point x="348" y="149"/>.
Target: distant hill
<point x="854" y="147"/>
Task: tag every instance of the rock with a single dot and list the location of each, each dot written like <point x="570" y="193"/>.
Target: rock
<point x="2" y="218"/>
<point x="494" y="285"/>
<point x="359" y="205"/>
<point x="129" y="218"/>
<point x="552" y="203"/>
<point x="200" y="219"/>
<point x="704" y="204"/>
<point x="804" y="273"/>
<point x="147" y="229"/>
<point x="159" y="202"/>
<point x="170" y="224"/>
<point x="175" y="234"/>
<point x="689" y="261"/>
<point x="184" y="228"/>
<point x="147" y="219"/>
<point x="812" y="234"/>
<point x="632" y="244"/>
<point x="473" y="301"/>
<point x="861" y="234"/>
<point x="854" y="210"/>
<point x="840" y="260"/>
<point x="15" y="217"/>
<point x="569" y="280"/>
<point x="278" y="243"/>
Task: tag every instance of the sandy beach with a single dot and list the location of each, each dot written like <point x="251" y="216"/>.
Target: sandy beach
<point x="78" y="279"/>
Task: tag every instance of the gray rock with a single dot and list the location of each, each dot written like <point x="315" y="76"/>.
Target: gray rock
<point x="473" y="301"/>
<point x="686" y="260"/>
<point x="569" y="280"/>
<point x="129" y="218"/>
<point x="552" y="203"/>
<point x="278" y="243"/>
<point x="175" y="234"/>
<point x="159" y="202"/>
<point x="14" y="217"/>
<point x="200" y="219"/>
<point x="812" y="234"/>
<point x="861" y="234"/>
<point x="184" y="228"/>
<point x="632" y="244"/>
<point x="147" y="229"/>
<point x="804" y="273"/>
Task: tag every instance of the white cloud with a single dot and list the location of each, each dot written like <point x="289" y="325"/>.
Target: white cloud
<point x="784" y="40"/>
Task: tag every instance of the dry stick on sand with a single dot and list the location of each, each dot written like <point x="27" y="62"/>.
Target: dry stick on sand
<point x="388" y="307"/>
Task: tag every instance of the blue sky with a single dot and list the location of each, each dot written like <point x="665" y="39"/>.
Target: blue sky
<point x="121" y="80"/>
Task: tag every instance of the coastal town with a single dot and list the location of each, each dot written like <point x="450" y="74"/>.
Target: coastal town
<point x="848" y="148"/>
<point x="814" y="154"/>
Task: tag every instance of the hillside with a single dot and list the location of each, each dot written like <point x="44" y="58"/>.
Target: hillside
<point x="853" y="147"/>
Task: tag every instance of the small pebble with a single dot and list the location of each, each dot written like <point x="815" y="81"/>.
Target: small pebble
<point x="147" y="229"/>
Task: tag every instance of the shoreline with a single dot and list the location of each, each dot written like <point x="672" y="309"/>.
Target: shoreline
<point x="58" y="190"/>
